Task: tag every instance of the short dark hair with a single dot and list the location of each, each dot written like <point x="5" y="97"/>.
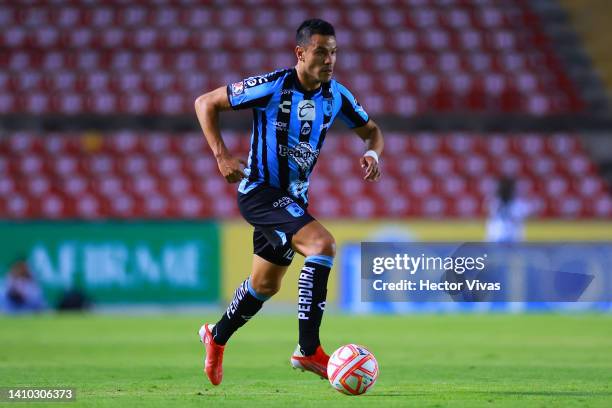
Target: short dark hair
<point x="506" y="189"/>
<point x="311" y="27"/>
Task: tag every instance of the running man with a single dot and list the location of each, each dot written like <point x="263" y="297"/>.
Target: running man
<point x="292" y="112"/>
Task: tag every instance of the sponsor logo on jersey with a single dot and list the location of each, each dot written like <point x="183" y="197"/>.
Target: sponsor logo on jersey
<point x="237" y="88"/>
<point x="305" y="128"/>
<point x="285" y="107"/>
<point x="282" y="202"/>
<point x="279" y="125"/>
<point x="306" y="110"/>
<point x="254" y="81"/>
<point x="303" y="154"/>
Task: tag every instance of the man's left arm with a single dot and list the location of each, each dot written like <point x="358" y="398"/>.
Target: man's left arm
<point x="371" y="134"/>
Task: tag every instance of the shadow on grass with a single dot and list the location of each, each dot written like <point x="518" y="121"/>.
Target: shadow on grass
<point x="396" y="394"/>
<point x="550" y="393"/>
<point x="500" y="393"/>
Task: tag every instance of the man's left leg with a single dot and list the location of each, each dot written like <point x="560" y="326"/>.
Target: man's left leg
<point x="317" y="245"/>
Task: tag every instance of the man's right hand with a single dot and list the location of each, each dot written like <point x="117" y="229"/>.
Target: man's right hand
<point x="231" y="168"/>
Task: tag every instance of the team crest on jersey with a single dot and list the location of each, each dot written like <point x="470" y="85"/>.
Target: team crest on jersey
<point x="327" y="107"/>
<point x="295" y="210"/>
<point x="306" y="110"/>
<point x="237" y="88"/>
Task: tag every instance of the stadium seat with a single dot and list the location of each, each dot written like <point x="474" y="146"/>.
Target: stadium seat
<point x="471" y="56"/>
<point x="127" y="174"/>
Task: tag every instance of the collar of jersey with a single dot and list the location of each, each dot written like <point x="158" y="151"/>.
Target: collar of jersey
<point x="300" y="88"/>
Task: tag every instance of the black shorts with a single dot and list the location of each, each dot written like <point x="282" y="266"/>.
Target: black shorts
<point x="276" y="216"/>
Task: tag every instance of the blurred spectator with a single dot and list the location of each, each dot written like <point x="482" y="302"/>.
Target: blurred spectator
<point x="74" y="300"/>
<point x="507" y="213"/>
<point x="21" y="293"/>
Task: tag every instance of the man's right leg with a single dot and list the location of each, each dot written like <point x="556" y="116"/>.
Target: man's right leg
<point x="263" y="283"/>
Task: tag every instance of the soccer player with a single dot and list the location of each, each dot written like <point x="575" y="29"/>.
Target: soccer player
<point x="292" y="112"/>
<point x="507" y="214"/>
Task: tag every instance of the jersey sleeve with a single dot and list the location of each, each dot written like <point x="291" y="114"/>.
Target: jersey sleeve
<point x="351" y="112"/>
<point x="253" y="92"/>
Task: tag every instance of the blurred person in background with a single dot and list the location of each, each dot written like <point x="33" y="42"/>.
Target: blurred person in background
<point x="292" y="110"/>
<point x="507" y="214"/>
<point x="21" y="293"/>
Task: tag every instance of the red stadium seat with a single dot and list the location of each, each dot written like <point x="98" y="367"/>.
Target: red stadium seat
<point x="125" y="174"/>
<point x="451" y="45"/>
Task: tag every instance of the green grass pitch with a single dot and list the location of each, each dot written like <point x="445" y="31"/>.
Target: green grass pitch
<point x="425" y="361"/>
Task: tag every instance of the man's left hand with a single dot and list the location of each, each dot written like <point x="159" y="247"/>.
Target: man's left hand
<point x="370" y="166"/>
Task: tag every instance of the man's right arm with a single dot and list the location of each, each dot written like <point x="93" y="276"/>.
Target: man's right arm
<point x="207" y="108"/>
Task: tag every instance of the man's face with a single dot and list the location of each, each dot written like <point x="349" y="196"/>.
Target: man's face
<point x="319" y="57"/>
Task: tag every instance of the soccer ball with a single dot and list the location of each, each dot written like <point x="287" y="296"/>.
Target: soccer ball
<point x="352" y="369"/>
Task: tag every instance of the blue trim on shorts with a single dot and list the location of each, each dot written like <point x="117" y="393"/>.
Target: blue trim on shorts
<point x="282" y="236"/>
<point x="324" y="260"/>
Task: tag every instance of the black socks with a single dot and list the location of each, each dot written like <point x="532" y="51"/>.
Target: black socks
<point x="312" y="292"/>
<point x="245" y="304"/>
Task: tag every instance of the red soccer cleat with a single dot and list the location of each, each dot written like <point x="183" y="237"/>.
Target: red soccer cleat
<point x="316" y="363"/>
<point x="213" y="365"/>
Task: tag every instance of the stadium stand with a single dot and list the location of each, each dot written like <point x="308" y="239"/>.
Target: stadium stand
<point x="591" y="20"/>
<point x="73" y="57"/>
<point x="131" y="174"/>
<point x="113" y="59"/>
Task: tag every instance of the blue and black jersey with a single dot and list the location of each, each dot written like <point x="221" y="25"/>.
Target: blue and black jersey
<point x="289" y="127"/>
